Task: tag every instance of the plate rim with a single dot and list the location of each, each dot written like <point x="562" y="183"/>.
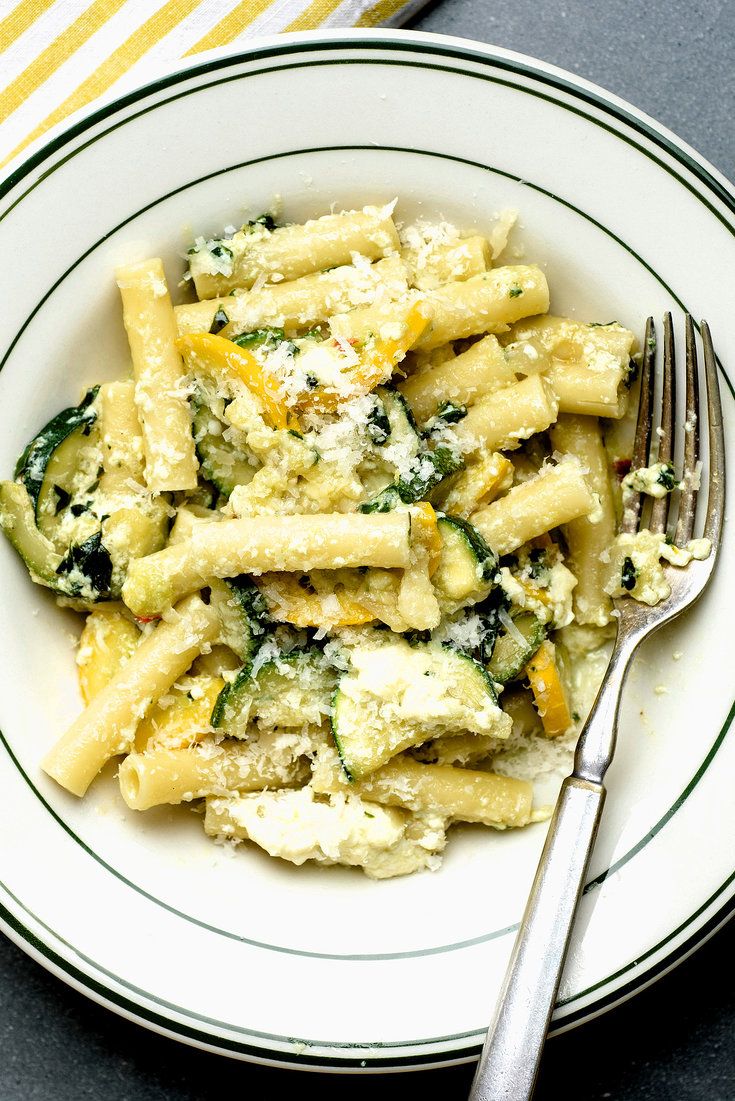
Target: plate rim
<point x="458" y="50"/>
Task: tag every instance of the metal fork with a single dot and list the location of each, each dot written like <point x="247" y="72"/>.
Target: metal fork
<point x="510" y="1059"/>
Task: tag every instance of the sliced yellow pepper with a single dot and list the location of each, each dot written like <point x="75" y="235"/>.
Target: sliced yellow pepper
<point x="381" y="359"/>
<point x="425" y="530"/>
<point x="548" y="691"/>
<point x="290" y="602"/>
<point x="376" y="365"/>
<point x="217" y="355"/>
<point x="184" y="722"/>
<point x="109" y="638"/>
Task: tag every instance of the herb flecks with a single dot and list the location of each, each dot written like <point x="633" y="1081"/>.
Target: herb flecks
<point x="628" y="574"/>
<point x="667" y="478"/>
<point x="219" y="321"/>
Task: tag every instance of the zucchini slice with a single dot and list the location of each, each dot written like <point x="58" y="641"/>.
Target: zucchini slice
<point x="243" y="615"/>
<point x="396" y="696"/>
<point x="31" y="468"/>
<point x="420" y="469"/>
<point x="84" y="571"/>
<point x="514" y="649"/>
<point x="18" y="521"/>
<point x="466" y="564"/>
<point x="293" y="690"/>
<point x="59" y="481"/>
<point x="231" y="711"/>
<point x="401" y="424"/>
<point x="221" y="463"/>
<point x="431" y="468"/>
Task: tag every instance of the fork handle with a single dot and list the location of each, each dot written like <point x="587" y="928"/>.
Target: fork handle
<point x="510" y="1058"/>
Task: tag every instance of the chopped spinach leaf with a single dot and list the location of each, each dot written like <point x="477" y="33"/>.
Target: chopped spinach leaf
<point x="257" y="337"/>
<point x="267" y="221"/>
<point x="378" y="425"/>
<point x="92" y="560"/>
<point x="631" y="374"/>
<point x="667" y="478"/>
<point x="62" y="498"/>
<point x="219" y="321"/>
<point x="451" y="413"/>
<point x="628" y="574"/>
<point x="538" y="568"/>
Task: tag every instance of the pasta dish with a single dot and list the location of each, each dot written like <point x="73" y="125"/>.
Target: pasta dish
<point x="344" y="537"/>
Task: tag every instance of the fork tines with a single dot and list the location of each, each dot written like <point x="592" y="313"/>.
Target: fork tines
<point x="657" y="436"/>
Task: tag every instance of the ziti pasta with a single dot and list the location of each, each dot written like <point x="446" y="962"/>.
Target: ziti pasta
<point x="343" y="535"/>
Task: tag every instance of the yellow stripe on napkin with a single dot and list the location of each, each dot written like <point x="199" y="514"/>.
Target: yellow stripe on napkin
<point x="23" y="16"/>
<point x="94" y="28"/>
<point x="231" y="26"/>
<point x="314" y="15"/>
<point x="56" y="54"/>
<point x="116" y="65"/>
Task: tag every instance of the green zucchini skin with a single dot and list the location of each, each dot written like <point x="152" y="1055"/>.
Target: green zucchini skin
<point x="243" y="614"/>
<point x="401" y="421"/>
<point x="86" y="568"/>
<point x="18" y="521"/>
<point x="509" y="657"/>
<point x="434" y="467"/>
<point x="232" y="707"/>
<point x="364" y="745"/>
<point x="467" y="564"/>
<point x="221" y="465"/>
<point x="277" y="698"/>
<point x="31" y="466"/>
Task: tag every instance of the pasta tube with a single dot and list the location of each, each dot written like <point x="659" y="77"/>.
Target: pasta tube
<point x="107" y="727"/>
<point x="463" y="379"/>
<point x="461" y="794"/>
<point x="292" y="251"/>
<point x="121" y="436"/>
<point x="502" y="420"/>
<point x="179" y="775"/>
<point x="136" y="522"/>
<point x="432" y="264"/>
<point x="301" y="303"/>
<point x="170" y="457"/>
<point x="264" y="543"/>
<point x="483" y="304"/>
<point x="586" y="364"/>
<point x="556" y="495"/>
<point x="587" y="541"/>
<point x="581" y="391"/>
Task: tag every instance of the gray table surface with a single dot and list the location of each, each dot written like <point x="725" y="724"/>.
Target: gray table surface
<point x="673" y="1042"/>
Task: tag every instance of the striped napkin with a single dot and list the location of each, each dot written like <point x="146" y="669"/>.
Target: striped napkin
<point x="57" y="56"/>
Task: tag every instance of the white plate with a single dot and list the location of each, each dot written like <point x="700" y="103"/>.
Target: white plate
<point x="237" y="952"/>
